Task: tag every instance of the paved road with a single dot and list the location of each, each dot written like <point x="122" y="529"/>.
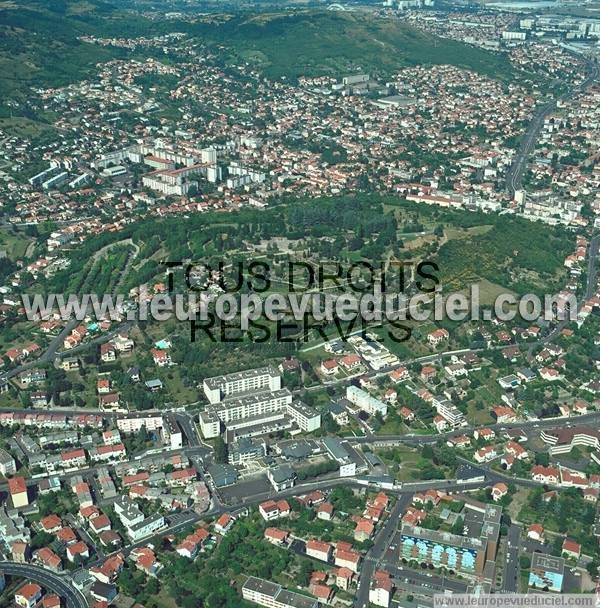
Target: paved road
<point x="510" y="580"/>
<point x="377" y="551"/>
<point x="188" y="428"/>
<point x="590" y="291"/>
<point x="514" y="175"/>
<point x="593" y="417"/>
<point x="51" y="353"/>
<point x="56" y="583"/>
<point x="592" y="269"/>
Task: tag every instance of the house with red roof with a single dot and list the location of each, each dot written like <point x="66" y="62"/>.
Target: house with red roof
<point x="400" y="374"/>
<point x="344" y="577"/>
<point x="499" y="491"/>
<point x="17" y="488"/>
<point x="485" y="454"/>
<point x="536" y="532"/>
<point x="28" y="595"/>
<point x="46" y="558"/>
<point x="330" y="367"/>
<point x="350" y="362"/>
<point x="440" y="423"/>
<point x="325" y="511"/>
<point x="571" y="549"/>
<point x="516" y="450"/>
<point x="272" y="509"/>
<point x="191" y="545"/>
<point x="364" y="530"/>
<point x="428" y="372"/>
<point x="503" y="413"/>
<point x="435" y="338"/>
<point x="109" y="570"/>
<point x="347" y="558"/>
<point x="591" y="494"/>
<point x="101" y="523"/>
<point x="224" y="523"/>
<point x="145" y="560"/>
<point x="380" y="589"/>
<point x="319" y="550"/>
<point x="51" y="600"/>
<point x="406" y="414"/>
<point x="276" y="536"/>
<point x="545" y="474"/>
<point x="322" y="592"/>
<point x="161" y="358"/>
<point x="78" y="550"/>
<point x="51" y="524"/>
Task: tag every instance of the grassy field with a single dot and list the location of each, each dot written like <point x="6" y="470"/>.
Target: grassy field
<point x="25" y="127"/>
<point x="477" y="416"/>
<point x="409" y="465"/>
<point x="15" y="244"/>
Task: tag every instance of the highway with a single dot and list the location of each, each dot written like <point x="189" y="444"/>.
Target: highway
<point x="56" y="583"/>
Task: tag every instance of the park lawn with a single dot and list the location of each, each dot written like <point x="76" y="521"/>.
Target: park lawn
<point x="20" y="335"/>
<point x="353" y="429"/>
<point x="90" y="394"/>
<point x="25" y="127"/>
<point x="415" y="346"/>
<point x="410" y="461"/>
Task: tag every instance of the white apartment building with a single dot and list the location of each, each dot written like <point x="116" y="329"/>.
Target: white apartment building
<point x="365" y="402"/>
<point x="8" y="465"/>
<point x="448" y="410"/>
<point x="244" y="411"/>
<point x="261" y="379"/>
<point x="306" y="417"/>
<point x="172" y="432"/>
<point x="134" y="424"/>
<point x="128" y="512"/>
<point x="147" y="527"/>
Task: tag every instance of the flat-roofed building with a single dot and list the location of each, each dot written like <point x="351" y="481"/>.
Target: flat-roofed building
<point x="272" y="595"/>
<point x="8" y="466"/>
<point x="546" y="572"/>
<point x="172" y="432"/>
<point x="247" y="410"/>
<point x="134" y="424"/>
<point x="218" y="388"/>
<point x="461" y="554"/>
<point x="562" y="440"/>
<point x="307" y="419"/>
<point x="366" y="402"/>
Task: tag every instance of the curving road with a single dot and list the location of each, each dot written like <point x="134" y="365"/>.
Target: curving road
<point x="51" y="581"/>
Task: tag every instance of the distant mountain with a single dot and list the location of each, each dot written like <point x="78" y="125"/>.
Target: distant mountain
<point x="39" y="44"/>
<point x="329" y="42"/>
